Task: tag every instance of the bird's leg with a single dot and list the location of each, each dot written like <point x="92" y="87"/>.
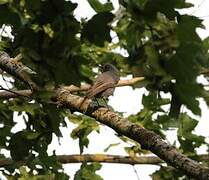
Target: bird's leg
<point x="106" y="103"/>
<point x="96" y="101"/>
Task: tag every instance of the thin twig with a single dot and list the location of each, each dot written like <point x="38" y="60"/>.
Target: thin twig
<point x="135" y="171"/>
<point x="16" y="93"/>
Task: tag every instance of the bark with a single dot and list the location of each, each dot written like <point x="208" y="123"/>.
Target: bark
<point x="147" y="139"/>
<point x="17" y="69"/>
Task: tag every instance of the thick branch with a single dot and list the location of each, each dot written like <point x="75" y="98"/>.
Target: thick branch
<point x="148" y="139"/>
<point x="15" y="68"/>
<point x="72" y="88"/>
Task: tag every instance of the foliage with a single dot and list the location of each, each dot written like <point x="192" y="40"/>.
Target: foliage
<point x="161" y="44"/>
<point x="167" y="174"/>
<point x="85" y="126"/>
<point x="87" y="172"/>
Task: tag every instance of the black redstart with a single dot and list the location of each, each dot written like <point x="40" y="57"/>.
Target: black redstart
<point x="104" y="85"/>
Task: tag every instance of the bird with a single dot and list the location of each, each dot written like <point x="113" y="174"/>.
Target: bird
<point x="104" y="85"/>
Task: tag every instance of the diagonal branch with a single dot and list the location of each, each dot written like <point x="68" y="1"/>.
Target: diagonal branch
<point x="148" y="139"/>
<point x="17" y="69"/>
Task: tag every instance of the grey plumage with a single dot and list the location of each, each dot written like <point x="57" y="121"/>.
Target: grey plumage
<point x="105" y="82"/>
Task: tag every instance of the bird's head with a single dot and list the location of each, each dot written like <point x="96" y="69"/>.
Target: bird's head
<point x="108" y="67"/>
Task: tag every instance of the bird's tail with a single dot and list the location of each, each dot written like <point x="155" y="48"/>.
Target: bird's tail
<point x="83" y="103"/>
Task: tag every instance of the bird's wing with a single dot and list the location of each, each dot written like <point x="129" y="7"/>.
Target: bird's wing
<point x="94" y="91"/>
<point x="103" y="82"/>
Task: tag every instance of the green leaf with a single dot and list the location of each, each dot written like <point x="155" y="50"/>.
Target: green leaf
<point x="3" y="45"/>
<point x="32" y="135"/>
<point x="24" y="106"/>
<point x="110" y="146"/>
<point x="187" y="93"/>
<point x="167" y="122"/>
<point x="187" y="124"/>
<point x="4" y="1"/>
<point x="7" y="123"/>
<point x="8" y="17"/>
<point x="167" y="173"/>
<point x="99" y="7"/>
<point x="88" y="171"/>
<point x="23" y="172"/>
<point x="50" y="162"/>
<point x="154" y="102"/>
<point x="166" y="7"/>
<point x="20" y="145"/>
<point x="97" y="30"/>
<point x="53" y="118"/>
<point x="154" y="61"/>
<point x="85" y="127"/>
<point x="180" y="4"/>
<point x="184" y="67"/>
<point x="184" y="62"/>
<point x="145" y="119"/>
<point x="186" y="29"/>
<point x="62" y="176"/>
<point x="188" y="140"/>
<point x="133" y="150"/>
<point x="44" y="95"/>
<point x="206" y="43"/>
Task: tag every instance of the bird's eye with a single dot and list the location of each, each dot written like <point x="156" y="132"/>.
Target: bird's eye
<point x="107" y="67"/>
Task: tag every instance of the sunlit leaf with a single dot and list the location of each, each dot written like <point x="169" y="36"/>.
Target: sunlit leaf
<point x="99" y="7"/>
<point x="88" y="171"/>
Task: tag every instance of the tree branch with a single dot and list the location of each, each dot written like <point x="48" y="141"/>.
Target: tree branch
<point x="103" y="158"/>
<point x="12" y="94"/>
<point x="148" y="139"/>
<point x="71" y="88"/>
<point x="17" y="69"/>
